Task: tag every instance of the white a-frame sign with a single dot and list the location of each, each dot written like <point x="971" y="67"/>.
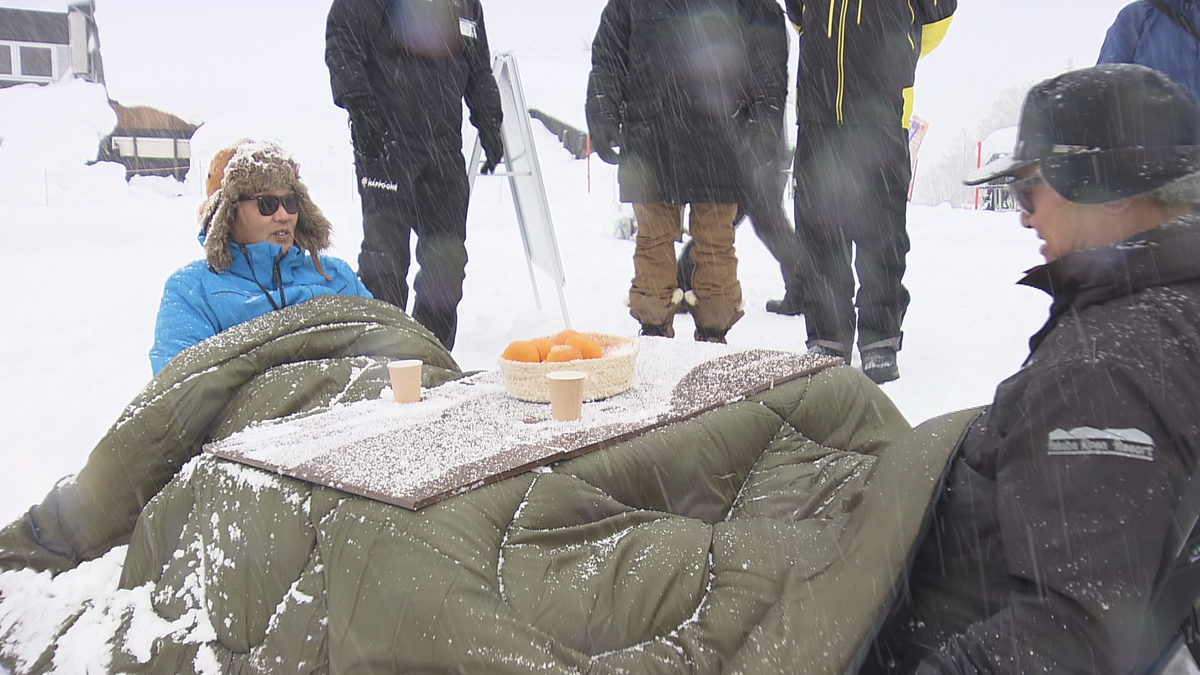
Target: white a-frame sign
<point x="524" y="176"/>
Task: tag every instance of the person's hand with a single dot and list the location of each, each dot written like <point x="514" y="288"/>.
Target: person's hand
<point x="367" y="129"/>
<point x="764" y="143"/>
<point x="763" y="134"/>
<point x="606" y="139"/>
<point x="493" y="148"/>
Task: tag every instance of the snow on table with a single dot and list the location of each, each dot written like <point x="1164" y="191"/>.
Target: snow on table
<point x="471" y="432"/>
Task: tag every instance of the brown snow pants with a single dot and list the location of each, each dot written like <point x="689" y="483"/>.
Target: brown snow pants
<point x="652" y="294"/>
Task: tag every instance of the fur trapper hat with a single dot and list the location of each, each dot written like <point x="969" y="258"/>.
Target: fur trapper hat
<point x="250" y="167"/>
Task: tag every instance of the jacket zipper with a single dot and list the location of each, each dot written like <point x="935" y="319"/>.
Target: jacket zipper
<point x="276" y="278"/>
<point x="839" y="112"/>
<point x="841" y="61"/>
<point x="912" y="14"/>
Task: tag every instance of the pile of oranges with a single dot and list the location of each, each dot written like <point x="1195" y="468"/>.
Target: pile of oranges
<point x="567" y="345"/>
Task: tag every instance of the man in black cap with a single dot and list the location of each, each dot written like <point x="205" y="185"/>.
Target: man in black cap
<point x="1051" y="547"/>
<point x="402" y="69"/>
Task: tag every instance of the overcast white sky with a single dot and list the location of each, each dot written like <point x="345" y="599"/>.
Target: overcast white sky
<point x="163" y="53"/>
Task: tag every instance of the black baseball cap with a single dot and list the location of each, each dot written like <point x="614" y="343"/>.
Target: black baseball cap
<point x="1104" y="133"/>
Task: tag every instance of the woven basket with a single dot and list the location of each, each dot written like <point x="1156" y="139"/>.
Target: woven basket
<point x="608" y="375"/>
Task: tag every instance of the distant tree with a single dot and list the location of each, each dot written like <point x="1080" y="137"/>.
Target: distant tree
<point x="942" y="182"/>
<point x="1006" y="110"/>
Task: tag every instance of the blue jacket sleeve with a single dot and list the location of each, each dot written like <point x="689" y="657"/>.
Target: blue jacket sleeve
<point x="340" y="270"/>
<point x="1121" y="41"/>
<point x="360" y="289"/>
<point x="183" y="319"/>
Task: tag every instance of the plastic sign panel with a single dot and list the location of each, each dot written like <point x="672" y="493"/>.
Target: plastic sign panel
<point x="524" y="176"/>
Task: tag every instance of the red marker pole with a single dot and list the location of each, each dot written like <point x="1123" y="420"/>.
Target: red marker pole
<point x="978" y="163"/>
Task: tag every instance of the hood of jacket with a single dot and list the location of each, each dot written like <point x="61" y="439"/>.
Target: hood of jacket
<point x="256" y="167"/>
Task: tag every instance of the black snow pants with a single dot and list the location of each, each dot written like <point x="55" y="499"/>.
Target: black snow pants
<point x="851" y="197"/>
<point x="763" y="204"/>
<point x="423" y="190"/>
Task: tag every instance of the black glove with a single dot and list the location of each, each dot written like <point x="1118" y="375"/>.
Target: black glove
<point x="763" y="134"/>
<point x="367" y="129"/>
<point x="493" y="148"/>
<point x="606" y="139"/>
<point x="765" y="145"/>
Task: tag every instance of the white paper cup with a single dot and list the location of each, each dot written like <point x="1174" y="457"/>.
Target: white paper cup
<point x="406" y="380"/>
<point x="566" y="393"/>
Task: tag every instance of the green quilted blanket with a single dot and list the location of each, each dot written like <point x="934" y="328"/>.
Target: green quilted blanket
<point x="765" y="536"/>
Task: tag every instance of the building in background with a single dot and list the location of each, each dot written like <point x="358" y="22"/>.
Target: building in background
<point x="41" y="47"/>
<point x="993" y="195"/>
<point x="38" y="47"/>
<point x="149" y="142"/>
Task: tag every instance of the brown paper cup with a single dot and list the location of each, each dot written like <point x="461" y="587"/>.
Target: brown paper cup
<point x="566" y="393"/>
<point x="406" y="380"/>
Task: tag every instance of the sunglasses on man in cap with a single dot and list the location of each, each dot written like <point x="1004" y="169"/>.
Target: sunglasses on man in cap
<point x="1021" y="192"/>
<point x="1101" y="134"/>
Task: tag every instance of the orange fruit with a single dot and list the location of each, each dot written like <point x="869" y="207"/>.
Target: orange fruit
<point x="543" y="345"/>
<point x="564" y="353"/>
<point x="586" y="346"/>
<point x="562" y="336"/>
<point x="522" y="350"/>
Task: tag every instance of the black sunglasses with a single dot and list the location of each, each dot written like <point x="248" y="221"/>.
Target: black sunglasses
<point x="269" y="204"/>
<point x="1021" y="192"/>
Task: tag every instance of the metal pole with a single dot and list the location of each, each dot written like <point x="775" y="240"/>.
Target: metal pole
<point x="978" y="163"/>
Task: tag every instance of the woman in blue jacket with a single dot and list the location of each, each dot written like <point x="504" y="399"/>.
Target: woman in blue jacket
<point x="1145" y="34"/>
<point x="262" y="235"/>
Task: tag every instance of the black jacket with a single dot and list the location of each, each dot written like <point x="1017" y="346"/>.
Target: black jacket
<point x="418" y="60"/>
<point x="1049" y="538"/>
<point x="687" y="82"/>
<point x="857" y="57"/>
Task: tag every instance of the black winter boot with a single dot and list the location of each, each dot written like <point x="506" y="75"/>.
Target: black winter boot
<point x="657" y="330"/>
<point x="710" y="335"/>
<point x="822" y="350"/>
<point x="879" y="364"/>
<point x="790" y="305"/>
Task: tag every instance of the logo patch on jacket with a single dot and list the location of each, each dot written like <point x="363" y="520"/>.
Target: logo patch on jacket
<point x="379" y="184"/>
<point x="467" y="28"/>
<point x="1132" y="443"/>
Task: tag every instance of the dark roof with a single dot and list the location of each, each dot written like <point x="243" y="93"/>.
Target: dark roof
<point x="27" y="25"/>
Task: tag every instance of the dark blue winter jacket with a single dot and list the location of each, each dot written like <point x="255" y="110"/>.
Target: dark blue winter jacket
<point x="198" y="303"/>
<point x="1143" y="35"/>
